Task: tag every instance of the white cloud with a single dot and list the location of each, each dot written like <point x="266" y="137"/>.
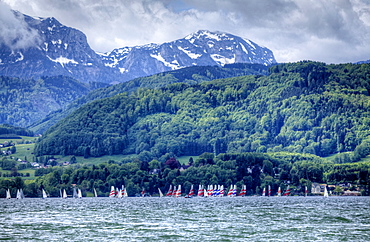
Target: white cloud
<point x="330" y="30"/>
<point x="14" y="33"/>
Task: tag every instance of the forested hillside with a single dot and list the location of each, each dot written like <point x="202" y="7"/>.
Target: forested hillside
<point x="304" y="107"/>
<point x="24" y="102"/>
<point x="6" y="130"/>
<point x="190" y="75"/>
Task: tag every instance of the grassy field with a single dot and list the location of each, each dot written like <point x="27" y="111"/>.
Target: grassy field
<point x="184" y="160"/>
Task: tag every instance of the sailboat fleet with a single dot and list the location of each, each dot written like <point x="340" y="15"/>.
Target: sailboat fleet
<point x="176" y="191"/>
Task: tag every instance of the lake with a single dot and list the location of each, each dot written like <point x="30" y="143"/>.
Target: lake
<point x="180" y="219"/>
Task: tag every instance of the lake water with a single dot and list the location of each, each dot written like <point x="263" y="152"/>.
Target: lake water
<point x="180" y="219"/>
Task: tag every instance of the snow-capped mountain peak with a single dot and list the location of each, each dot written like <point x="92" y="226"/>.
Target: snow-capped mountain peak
<point x="61" y="50"/>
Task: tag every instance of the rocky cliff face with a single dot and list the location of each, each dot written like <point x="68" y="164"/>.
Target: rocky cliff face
<point x="62" y="50"/>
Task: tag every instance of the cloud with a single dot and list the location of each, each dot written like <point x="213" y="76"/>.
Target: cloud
<point x="330" y="31"/>
<point x="14" y="32"/>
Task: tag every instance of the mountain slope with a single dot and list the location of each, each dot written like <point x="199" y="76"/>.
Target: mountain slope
<point x="202" y="48"/>
<point x="190" y="75"/>
<point x="24" y="102"/>
<point x="301" y="107"/>
<point x="61" y="50"/>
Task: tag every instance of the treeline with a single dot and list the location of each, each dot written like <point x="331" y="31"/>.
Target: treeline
<point x="304" y="107"/>
<point x="7" y="130"/>
<point x="189" y="75"/>
<point x="255" y="170"/>
<point x="25" y="101"/>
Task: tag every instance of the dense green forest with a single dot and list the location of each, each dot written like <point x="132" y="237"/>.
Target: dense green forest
<point x="6" y="130"/>
<point x="190" y="75"/>
<point x="24" y="102"/>
<point x="255" y="170"/>
<point x="305" y="107"/>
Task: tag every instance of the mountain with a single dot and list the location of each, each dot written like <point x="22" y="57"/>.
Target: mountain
<point x="190" y="75"/>
<point x="304" y="107"/>
<point x="202" y="48"/>
<point x="61" y="50"/>
<point x="25" y="101"/>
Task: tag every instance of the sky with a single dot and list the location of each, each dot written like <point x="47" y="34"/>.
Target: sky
<point x="331" y="31"/>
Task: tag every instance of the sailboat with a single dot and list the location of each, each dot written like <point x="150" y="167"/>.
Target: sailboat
<point x="44" y="195"/>
<point x="178" y="192"/>
<point x="287" y="192"/>
<point x="74" y="193"/>
<point x="326" y="194"/>
<point x="143" y="192"/>
<point x="20" y="194"/>
<point x="264" y="192"/>
<point x="95" y="194"/>
<point x="222" y="191"/>
<point x="200" y="191"/>
<point x="243" y="192"/>
<point x="169" y="193"/>
<point x="230" y="193"/>
<point x="234" y="191"/>
<point x="64" y="194"/>
<point x="8" y="196"/>
<point x="160" y="192"/>
<point x="79" y="193"/>
<point x="269" y="191"/>
<point x="279" y="192"/>
<point x="191" y="192"/>
<point x="112" y="192"/>
<point x="305" y="191"/>
<point x="60" y="193"/>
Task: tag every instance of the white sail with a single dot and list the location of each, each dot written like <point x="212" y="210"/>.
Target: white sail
<point x="75" y="193"/>
<point x="22" y="195"/>
<point x="79" y="193"/>
<point x="160" y="192"/>
<point x="112" y="192"/>
<point x="60" y="193"/>
<point x="326" y="192"/>
<point x="205" y="193"/>
<point x="279" y="192"/>
<point x="64" y="194"/>
<point x="8" y="196"/>
<point x="44" y="195"/>
<point x="119" y="193"/>
<point x="95" y="194"/>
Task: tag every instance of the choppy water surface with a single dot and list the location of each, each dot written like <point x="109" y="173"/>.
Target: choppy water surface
<point x="196" y="219"/>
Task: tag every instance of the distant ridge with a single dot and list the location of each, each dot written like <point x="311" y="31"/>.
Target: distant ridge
<point x="61" y="50"/>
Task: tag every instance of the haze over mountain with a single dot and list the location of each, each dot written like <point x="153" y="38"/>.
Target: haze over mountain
<point x="61" y="50"/>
